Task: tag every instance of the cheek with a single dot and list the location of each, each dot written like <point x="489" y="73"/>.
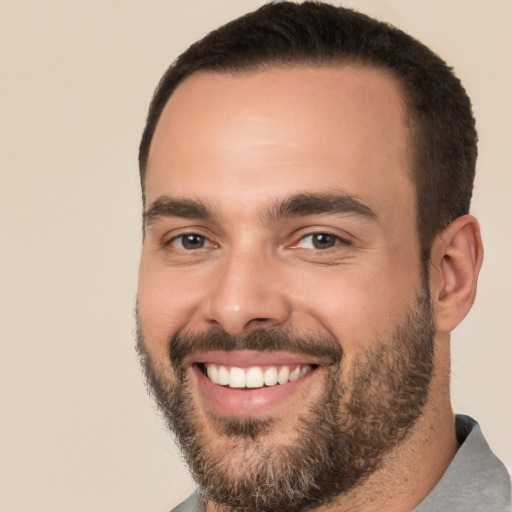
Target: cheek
<point x="165" y="303"/>
<point x="356" y="306"/>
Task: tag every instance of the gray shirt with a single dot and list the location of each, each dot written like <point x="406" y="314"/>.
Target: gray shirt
<point x="475" y="481"/>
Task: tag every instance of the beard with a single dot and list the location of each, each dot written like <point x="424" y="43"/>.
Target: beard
<point x="339" y="439"/>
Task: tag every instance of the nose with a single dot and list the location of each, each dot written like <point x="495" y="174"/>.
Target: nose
<point x="247" y="293"/>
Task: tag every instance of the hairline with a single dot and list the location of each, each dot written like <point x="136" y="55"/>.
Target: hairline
<point x="411" y="122"/>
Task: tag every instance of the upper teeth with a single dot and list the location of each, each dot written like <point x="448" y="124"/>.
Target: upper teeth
<point x="254" y="377"/>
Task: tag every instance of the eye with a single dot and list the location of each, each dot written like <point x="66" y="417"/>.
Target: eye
<point x="319" y="241"/>
<point x="189" y="241"/>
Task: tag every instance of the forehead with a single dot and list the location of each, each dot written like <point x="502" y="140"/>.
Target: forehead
<point x="283" y="130"/>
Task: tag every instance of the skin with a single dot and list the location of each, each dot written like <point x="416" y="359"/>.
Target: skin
<point x="242" y="144"/>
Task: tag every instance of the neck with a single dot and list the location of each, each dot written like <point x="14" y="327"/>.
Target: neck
<point x="412" y="469"/>
<point x="408" y="474"/>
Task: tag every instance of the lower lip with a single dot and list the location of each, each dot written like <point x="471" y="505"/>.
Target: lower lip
<point x="247" y="401"/>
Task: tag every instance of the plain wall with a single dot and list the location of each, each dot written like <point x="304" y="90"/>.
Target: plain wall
<point x="78" y="431"/>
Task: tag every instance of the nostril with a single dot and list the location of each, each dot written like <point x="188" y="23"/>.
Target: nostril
<point x="259" y="322"/>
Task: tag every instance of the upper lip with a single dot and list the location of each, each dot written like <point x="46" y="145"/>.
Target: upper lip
<point x="249" y="358"/>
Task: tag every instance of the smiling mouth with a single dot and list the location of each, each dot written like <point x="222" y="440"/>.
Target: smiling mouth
<point x="255" y="376"/>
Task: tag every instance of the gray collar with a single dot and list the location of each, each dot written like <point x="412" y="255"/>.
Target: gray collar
<point x="476" y="480"/>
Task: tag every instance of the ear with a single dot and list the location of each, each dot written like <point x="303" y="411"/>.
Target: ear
<point x="455" y="261"/>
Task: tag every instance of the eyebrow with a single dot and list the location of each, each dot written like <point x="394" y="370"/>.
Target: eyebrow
<point x="299" y="205"/>
<point x="166" y="206"/>
<point x="302" y="205"/>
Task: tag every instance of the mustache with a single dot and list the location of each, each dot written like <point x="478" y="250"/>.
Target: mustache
<point x="262" y="340"/>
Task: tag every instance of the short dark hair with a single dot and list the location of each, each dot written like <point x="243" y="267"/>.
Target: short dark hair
<point x="443" y="135"/>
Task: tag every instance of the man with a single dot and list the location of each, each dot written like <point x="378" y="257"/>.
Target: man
<point x="306" y="175"/>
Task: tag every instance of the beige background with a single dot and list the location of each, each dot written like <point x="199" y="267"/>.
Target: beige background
<point x="78" y="432"/>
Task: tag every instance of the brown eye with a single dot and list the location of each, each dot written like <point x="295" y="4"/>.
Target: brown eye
<point x="189" y="242"/>
<point x="323" y="240"/>
<point x="320" y="241"/>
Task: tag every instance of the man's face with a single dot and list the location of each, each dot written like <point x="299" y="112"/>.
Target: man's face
<point x="281" y="305"/>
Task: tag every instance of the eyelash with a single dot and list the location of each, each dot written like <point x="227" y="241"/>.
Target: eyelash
<point x="336" y="240"/>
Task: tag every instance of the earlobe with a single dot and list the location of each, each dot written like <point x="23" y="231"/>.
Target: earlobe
<point x="456" y="258"/>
